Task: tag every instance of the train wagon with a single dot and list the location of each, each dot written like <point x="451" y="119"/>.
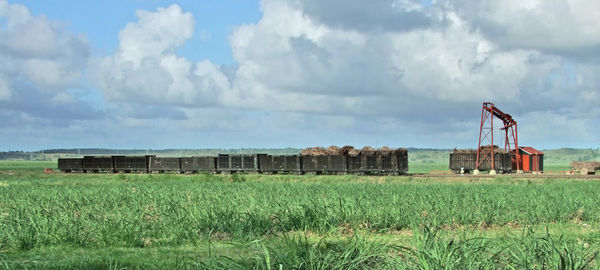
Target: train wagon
<point x="585" y="167"/>
<point x="238" y="163"/>
<point x="353" y="164"/>
<point x="466" y="160"/>
<point x="363" y="163"/>
<point x="67" y="165"/>
<point x="402" y="160"/>
<point x="379" y="162"/>
<point x="164" y="164"/>
<point x="131" y="163"/>
<point x="93" y="164"/>
<point x="324" y="164"/>
<point x="198" y="164"/>
<point x="280" y="164"/>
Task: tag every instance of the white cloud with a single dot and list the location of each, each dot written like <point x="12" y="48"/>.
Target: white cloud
<point x="146" y="69"/>
<point x="310" y="71"/>
<point x="14" y="14"/>
<point x="546" y="127"/>
<point x="35" y="37"/>
<point x="371" y="16"/>
<point x="289" y="61"/>
<point x="50" y="74"/>
<point x="38" y="53"/>
<point x="296" y="60"/>
<point x="292" y="61"/>
<point x="63" y="98"/>
<point x="558" y="25"/>
<point x="155" y="34"/>
<point x="5" y="91"/>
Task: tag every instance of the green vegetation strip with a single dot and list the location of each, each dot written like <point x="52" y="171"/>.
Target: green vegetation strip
<point x="273" y="222"/>
<point x="426" y="249"/>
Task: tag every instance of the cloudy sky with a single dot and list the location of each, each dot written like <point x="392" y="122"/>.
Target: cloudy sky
<point x="294" y="73"/>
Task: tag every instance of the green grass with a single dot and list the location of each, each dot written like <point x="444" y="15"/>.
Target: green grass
<point x="555" y="168"/>
<point x="115" y="221"/>
<point x="428" y="248"/>
<point x="428" y="168"/>
<point x="8" y="166"/>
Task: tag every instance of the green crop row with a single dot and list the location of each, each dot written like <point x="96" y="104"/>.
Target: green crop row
<point x="173" y="210"/>
<point x="427" y="249"/>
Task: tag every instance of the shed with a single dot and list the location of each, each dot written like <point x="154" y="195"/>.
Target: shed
<point x="532" y="160"/>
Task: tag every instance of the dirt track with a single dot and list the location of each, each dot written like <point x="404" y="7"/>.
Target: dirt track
<point x="511" y="175"/>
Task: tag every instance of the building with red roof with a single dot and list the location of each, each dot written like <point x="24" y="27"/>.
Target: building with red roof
<point x="532" y="160"/>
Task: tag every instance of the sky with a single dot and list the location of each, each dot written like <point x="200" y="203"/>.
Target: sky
<point x="152" y="74"/>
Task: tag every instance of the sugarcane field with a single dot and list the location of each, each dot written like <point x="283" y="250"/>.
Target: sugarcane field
<point x="300" y="134"/>
<point x="256" y="219"/>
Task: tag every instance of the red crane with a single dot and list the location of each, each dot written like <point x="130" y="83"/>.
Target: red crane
<point x="486" y="135"/>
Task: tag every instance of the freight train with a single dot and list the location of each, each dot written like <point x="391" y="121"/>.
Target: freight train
<point x="391" y="162"/>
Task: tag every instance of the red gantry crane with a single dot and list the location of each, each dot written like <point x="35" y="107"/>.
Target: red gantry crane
<point x="485" y="148"/>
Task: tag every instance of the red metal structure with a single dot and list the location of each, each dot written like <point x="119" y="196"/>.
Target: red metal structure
<point x="486" y="135"/>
